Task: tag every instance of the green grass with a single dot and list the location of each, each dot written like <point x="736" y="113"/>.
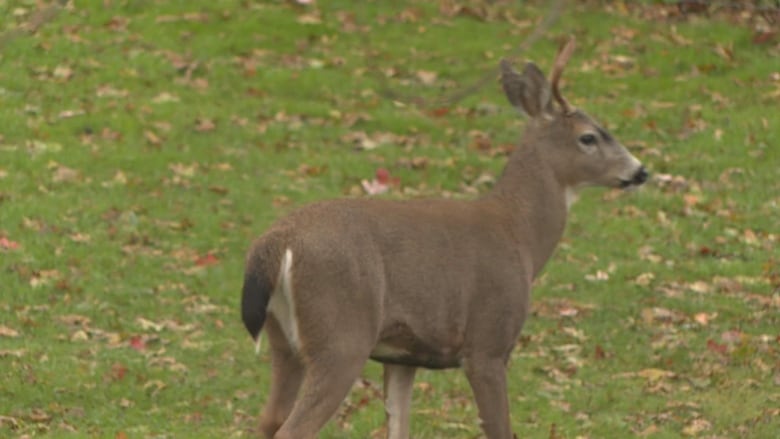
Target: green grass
<point x="144" y="144"/>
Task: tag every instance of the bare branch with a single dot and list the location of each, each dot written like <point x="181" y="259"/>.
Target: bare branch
<point x="37" y="19"/>
<point x="552" y="16"/>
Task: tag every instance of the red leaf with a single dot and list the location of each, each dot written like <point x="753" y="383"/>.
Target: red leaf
<point x="440" y="112"/>
<point x="206" y="260"/>
<point x="717" y="347"/>
<point x="137" y="342"/>
<point x="118" y="371"/>
<point x="764" y="37"/>
<point x="7" y="244"/>
<point x="383" y="175"/>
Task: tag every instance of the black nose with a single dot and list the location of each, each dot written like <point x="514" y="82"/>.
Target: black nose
<point x="640" y="176"/>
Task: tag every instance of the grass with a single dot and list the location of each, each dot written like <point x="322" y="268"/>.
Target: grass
<point x="144" y="144"/>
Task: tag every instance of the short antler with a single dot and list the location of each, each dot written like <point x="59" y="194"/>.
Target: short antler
<point x="560" y="62"/>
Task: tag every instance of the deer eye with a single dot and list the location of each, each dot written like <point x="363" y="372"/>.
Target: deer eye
<point x="588" y="139"/>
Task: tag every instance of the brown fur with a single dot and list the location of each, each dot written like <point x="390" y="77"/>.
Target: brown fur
<point x="425" y="283"/>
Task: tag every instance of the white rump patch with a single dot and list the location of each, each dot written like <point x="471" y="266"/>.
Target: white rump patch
<point x="282" y="305"/>
<point x="258" y="344"/>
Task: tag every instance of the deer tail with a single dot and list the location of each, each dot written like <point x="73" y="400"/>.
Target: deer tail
<point x="255" y="296"/>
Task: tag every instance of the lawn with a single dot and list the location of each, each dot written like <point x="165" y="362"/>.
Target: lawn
<point x="144" y="144"/>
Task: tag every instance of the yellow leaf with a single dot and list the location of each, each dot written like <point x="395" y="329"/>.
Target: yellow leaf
<point x="654" y="374"/>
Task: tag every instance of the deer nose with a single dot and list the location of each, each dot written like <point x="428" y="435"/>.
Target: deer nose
<point x="640" y="176"/>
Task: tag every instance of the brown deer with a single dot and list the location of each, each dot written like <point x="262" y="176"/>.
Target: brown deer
<point x="423" y="283"/>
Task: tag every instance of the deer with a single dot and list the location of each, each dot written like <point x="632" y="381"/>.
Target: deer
<point x="423" y="283"/>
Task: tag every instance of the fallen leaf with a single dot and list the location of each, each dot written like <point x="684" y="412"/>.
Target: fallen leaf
<point x="5" y="331"/>
<point x="137" y="342"/>
<point x="118" y="371"/>
<point x="152" y="138"/>
<point x="9" y="421"/>
<point x="7" y="244"/>
<point x="764" y="37"/>
<point x="64" y="174"/>
<point x="374" y="187"/>
<point x="165" y="97"/>
<point x="75" y="320"/>
<point x="718" y="348"/>
<point x="599" y="276"/>
<point x="108" y="91"/>
<point x="205" y="125"/>
<point x="696" y="427"/>
<point x="653" y="374"/>
<point x="732" y="337"/>
<point x="18" y="353"/>
<point x="38" y="416"/>
<point x="206" y="260"/>
<point x="704" y="318"/>
<point x="312" y="18"/>
<point x="644" y="279"/>
<point x="427" y="77"/>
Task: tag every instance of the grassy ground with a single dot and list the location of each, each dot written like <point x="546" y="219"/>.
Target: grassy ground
<point x="143" y="144"/>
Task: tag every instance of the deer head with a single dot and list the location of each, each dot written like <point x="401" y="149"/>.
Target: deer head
<point x="582" y="153"/>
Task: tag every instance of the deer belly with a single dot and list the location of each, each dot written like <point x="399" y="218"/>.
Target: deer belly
<point x="401" y="346"/>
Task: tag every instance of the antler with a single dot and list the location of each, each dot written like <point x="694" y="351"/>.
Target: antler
<point x="560" y="62"/>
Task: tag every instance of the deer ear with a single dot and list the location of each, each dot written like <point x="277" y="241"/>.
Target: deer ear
<point x="528" y="92"/>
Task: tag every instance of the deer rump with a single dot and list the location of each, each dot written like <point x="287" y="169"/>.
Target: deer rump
<point x="411" y="276"/>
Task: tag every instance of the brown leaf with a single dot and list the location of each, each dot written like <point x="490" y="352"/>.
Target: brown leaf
<point x="653" y="374"/>
<point x="18" y="353"/>
<point x="204" y="125"/>
<point x="38" y="416"/>
<point x="764" y="37"/>
<point x="64" y="174"/>
<point x="696" y="427"/>
<point x="704" y="318"/>
<point x="718" y="348"/>
<point x="75" y="320"/>
<point x="427" y="77"/>
<point x="152" y="138"/>
<point x="5" y="331"/>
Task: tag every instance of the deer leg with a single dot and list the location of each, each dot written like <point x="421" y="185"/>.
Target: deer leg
<point x="286" y="377"/>
<point x="398" y="398"/>
<point x="328" y="377"/>
<point x="487" y="378"/>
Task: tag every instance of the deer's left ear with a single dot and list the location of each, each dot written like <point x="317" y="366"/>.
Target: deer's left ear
<point x="528" y="92"/>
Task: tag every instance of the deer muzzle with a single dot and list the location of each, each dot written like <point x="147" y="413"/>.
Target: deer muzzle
<point x="639" y="178"/>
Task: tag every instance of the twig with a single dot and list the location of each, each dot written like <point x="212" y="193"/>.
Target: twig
<point x="552" y="16"/>
<point x="36" y="21"/>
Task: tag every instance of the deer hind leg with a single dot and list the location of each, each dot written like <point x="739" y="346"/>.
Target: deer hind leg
<point x="286" y="377"/>
<point x="487" y="377"/>
<point x="327" y="379"/>
<point x="398" y="399"/>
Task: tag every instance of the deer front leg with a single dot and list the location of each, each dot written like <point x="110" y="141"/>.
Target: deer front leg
<point x="487" y="377"/>
<point x="398" y="399"/>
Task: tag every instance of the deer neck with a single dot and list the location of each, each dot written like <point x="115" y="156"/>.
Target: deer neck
<point x="535" y="202"/>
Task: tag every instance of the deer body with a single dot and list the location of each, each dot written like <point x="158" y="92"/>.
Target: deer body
<point x="421" y="283"/>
